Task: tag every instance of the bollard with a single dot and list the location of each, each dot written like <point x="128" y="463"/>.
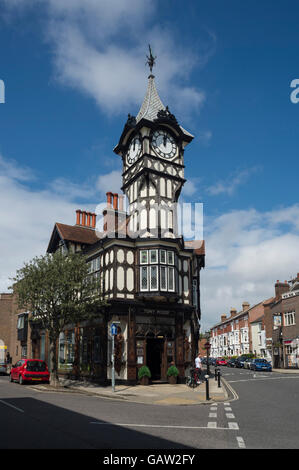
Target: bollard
<point x="207" y="387"/>
<point x="216" y="373"/>
<point x="219" y="384"/>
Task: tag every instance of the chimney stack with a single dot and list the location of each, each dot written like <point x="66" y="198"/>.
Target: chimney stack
<point x="115" y="201"/>
<point x="233" y="312"/>
<point x="245" y="306"/>
<point x="281" y="288"/>
<point x="223" y="318"/>
<point x="85" y="219"/>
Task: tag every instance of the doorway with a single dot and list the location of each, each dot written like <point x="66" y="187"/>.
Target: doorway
<point x="154" y="355"/>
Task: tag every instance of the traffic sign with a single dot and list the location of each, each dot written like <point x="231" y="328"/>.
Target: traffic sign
<point x="113" y="329"/>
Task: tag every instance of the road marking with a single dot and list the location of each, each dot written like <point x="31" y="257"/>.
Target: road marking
<point x="11" y="406"/>
<point x="241" y="442"/>
<point x="212" y="415"/>
<point x="230" y="415"/>
<point x="233" y="426"/>
<point x="227" y="408"/>
<point x="211" y="425"/>
<point x="259" y="378"/>
<point x="226" y="404"/>
<point x="213" y="408"/>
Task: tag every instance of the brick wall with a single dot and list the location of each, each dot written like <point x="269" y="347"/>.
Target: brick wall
<point x="6" y="301"/>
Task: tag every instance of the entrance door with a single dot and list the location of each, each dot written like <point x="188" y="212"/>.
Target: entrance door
<point x="154" y="354"/>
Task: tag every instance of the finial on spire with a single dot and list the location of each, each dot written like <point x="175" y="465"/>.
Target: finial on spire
<point x="150" y="59"/>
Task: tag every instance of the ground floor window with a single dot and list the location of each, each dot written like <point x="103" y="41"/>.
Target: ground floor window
<point x="66" y="349"/>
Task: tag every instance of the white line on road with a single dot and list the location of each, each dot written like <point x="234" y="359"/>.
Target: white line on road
<point x="230" y="415"/>
<point x="241" y="442"/>
<point x="227" y="408"/>
<point x="267" y="378"/>
<point x="11" y="406"/>
<point x="233" y="425"/>
<point x="211" y="425"/>
<point x="212" y="415"/>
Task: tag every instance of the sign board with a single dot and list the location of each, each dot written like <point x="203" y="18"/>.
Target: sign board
<point x="113" y="329"/>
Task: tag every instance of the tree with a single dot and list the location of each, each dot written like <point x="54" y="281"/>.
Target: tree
<point x="58" y="290"/>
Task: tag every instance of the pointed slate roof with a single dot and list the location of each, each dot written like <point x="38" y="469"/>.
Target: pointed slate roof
<point x="152" y="104"/>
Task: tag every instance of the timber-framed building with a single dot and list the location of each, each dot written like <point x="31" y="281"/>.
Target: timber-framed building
<point x="149" y="275"/>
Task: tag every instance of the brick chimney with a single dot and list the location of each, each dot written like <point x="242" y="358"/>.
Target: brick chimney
<point x="85" y="219"/>
<point x="233" y="312"/>
<point x="223" y="318"/>
<point x="114" y="215"/>
<point x="281" y="288"/>
<point x="245" y="306"/>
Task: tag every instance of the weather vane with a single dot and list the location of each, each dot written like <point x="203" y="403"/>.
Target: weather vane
<point x="150" y="59"/>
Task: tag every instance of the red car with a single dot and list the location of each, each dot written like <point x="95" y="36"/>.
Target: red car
<point x="221" y="362"/>
<point x="30" y="370"/>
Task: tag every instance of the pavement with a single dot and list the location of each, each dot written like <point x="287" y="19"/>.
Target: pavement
<point x="154" y="394"/>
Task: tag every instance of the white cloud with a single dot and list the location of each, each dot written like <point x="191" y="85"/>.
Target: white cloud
<point x="230" y="185"/>
<point x="246" y="252"/>
<point x="110" y="182"/>
<point x="99" y="48"/>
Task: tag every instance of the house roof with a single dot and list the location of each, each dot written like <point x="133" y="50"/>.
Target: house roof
<point x="73" y="233"/>
<point x="198" y="246"/>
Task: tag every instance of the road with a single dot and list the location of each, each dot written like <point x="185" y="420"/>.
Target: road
<point x="262" y="413"/>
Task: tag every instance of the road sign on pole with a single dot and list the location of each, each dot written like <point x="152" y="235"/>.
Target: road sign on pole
<point x="113" y="331"/>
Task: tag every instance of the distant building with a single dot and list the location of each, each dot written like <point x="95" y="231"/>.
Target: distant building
<point x="232" y="336"/>
<point x="283" y="316"/>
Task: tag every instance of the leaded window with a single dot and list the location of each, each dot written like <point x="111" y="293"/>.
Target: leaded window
<point x="159" y="272"/>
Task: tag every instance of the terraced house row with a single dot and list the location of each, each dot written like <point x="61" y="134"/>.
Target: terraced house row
<point x="269" y="329"/>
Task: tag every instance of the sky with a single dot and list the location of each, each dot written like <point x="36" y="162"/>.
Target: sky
<point x="74" y="70"/>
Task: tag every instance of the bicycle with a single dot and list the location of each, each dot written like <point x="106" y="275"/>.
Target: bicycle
<point x="192" y="379"/>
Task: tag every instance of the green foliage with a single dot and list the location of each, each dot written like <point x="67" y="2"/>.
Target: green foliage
<point x="57" y="290"/>
<point x="144" y="372"/>
<point x="172" y="370"/>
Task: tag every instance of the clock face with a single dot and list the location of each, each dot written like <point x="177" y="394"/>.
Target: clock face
<point x="134" y="150"/>
<point x="164" y="144"/>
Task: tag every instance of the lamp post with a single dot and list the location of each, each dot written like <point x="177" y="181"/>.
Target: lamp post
<point x="207" y="348"/>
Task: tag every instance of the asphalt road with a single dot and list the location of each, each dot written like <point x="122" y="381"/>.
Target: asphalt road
<point x="262" y="413"/>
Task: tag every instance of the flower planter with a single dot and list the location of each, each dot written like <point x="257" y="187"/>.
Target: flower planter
<point x="144" y="380"/>
<point x="172" y="379"/>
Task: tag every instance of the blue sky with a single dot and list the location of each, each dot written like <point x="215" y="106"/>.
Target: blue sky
<point x="224" y="68"/>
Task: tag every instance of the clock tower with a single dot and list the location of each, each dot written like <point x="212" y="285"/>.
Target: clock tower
<point x="152" y="148"/>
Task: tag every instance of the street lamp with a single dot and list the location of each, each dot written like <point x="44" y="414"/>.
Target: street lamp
<point x="207" y="347"/>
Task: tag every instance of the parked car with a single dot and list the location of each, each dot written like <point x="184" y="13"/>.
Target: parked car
<point x="247" y="363"/>
<point x="3" y="368"/>
<point x="30" y="370"/>
<point x="220" y="361"/>
<point x="212" y="361"/>
<point x="240" y="361"/>
<point x="231" y="363"/>
<point x="261" y="364"/>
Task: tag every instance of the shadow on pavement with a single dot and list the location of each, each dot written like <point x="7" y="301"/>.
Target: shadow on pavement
<point x="36" y="424"/>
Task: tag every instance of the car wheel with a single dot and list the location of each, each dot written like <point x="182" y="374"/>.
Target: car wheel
<point x="21" y="381"/>
<point x="10" y="378"/>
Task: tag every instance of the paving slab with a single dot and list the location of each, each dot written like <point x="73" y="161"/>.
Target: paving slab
<point x="157" y="394"/>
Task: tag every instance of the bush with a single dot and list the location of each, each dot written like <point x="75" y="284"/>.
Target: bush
<point x="172" y="370"/>
<point x="144" y="372"/>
